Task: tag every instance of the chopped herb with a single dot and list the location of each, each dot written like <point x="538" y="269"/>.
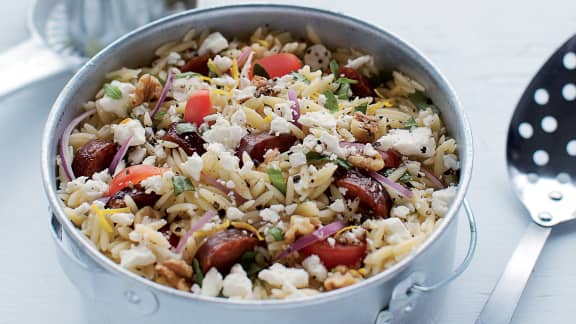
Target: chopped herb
<point x="343" y="164"/>
<point x="406" y="177"/>
<point x="248" y="263"/>
<point x="198" y="276"/>
<point x="186" y="75"/>
<point x="276" y="233"/>
<point x="331" y="101"/>
<point x="261" y="71"/>
<point x="381" y="78"/>
<point x="183" y="128"/>
<point x="421" y="101"/>
<point x="112" y="91"/>
<point x="346" y="81"/>
<point x="410" y="123"/>
<point x="388" y="172"/>
<point x="314" y="157"/>
<point x="335" y="68"/>
<point x="361" y="108"/>
<point x="162" y="81"/>
<point x="299" y="77"/>
<point x="343" y="91"/>
<point x="160" y="115"/>
<point x="181" y="184"/>
<point x="277" y="179"/>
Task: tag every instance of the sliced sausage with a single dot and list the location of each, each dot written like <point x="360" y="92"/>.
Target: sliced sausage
<point x="362" y="88"/>
<point x="137" y="193"/>
<point x="223" y="249"/>
<point x="256" y="145"/>
<point x="391" y="157"/>
<point x="190" y="142"/>
<point x="93" y="157"/>
<point x="371" y="193"/>
<point x="198" y="64"/>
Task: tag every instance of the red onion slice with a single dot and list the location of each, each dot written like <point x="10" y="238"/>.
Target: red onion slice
<point x="215" y="183"/>
<point x="295" y="107"/>
<point x="65" y="140"/>
<point x="435" y="181"/>
<point x="358" y="146"/>
<point x="196" y="226"/>
<point x="318" y="235"/>
<point x="392" y="185"/>
<point x="167" y="87"/>
<point x="243" y="56"/>
<point x="119" y="155"/>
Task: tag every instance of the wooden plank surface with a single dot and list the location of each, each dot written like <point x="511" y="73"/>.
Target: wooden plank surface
<point x="488" y="49"/>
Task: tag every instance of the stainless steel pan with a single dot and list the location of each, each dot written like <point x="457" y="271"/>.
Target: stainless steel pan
<point x="408" y="292"/>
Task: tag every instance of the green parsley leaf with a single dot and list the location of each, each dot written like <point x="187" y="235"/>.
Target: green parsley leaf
<point x="277" y="179"/>
<point x="406" y="177"/>
<point x="112" y="92"/>
<point x="160" y="115"/>
<point x="186" y="75"/>
<point x="388" y="172"/>
<point x="181" y="184"/>
<point x="361" y="108"/>
<point x="198" y="276"/>
<point x="410" y="123"/>
<point x="421" y="101"/>
<point x="261" y="71"/>
<point x="183" y="128"/>
<point x="248" y="263"/>
<point x="334" y="68"/>
<point x="346" y="81"/>
<point x="276" y="233"/>
<point x="343" y="91"/>
<point x="299" y="77"/>
<point x="331" y="101"/>
<point x="314" y="157"/>
<point x="343" y="164"/>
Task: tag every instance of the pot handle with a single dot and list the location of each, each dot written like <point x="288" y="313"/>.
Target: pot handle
<point x="407" y="291"/>
<point x="94" y="281"/>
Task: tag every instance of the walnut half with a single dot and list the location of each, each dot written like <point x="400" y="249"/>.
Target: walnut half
<point x="364" y="127"/>
<point x="176" y="273"/>
<point x="147" y="88"/>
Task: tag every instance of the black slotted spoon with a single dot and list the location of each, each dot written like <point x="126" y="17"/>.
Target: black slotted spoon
<point x="541" y="158"/>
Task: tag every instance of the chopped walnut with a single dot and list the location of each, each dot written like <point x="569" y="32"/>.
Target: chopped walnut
<point x="176" y="273"/>
<point x="342" y="277"/>
<point x="262" y="86"/>
<point x="369" y="163"/>
<point x="364" y="127"/>
<point x="147" y="88"/>
<point x="300" y="225"/>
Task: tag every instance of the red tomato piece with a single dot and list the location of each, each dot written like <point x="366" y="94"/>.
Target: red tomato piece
<point x="339" y="254"/>
<point x="133" y="175"/>
<point x="362" y="88"/>
<point x="198" y="106"/>
<point x="278" y="65"/>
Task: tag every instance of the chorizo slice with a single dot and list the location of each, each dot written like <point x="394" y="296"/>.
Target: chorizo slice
<point x="362" y="88"/>
<point x="371" y="193"/>
<point x="189" y="141"/>
<point x="223" y="249"/>
<point x="256" y="145"/>
<point x="391" y="157"/>
<point x="137" y="193"/>
<point x="92" y="157"/>
<point x="198" y="64"/>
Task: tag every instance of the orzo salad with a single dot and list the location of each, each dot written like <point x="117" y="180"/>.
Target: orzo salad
<point x="260" y="168"/>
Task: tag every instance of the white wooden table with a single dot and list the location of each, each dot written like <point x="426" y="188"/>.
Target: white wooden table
<point x="488" y="49"/>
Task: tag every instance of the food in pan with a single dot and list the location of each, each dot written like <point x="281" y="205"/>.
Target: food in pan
<point x="260" y="168"/>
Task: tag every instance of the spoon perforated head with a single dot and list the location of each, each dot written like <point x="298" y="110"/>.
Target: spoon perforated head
<point x="541" y="146"/>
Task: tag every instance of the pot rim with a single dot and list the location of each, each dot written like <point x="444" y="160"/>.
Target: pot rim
<point x="58" y="108"/>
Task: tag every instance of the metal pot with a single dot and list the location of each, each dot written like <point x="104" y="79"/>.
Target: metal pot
<point x="408" y="292"/>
